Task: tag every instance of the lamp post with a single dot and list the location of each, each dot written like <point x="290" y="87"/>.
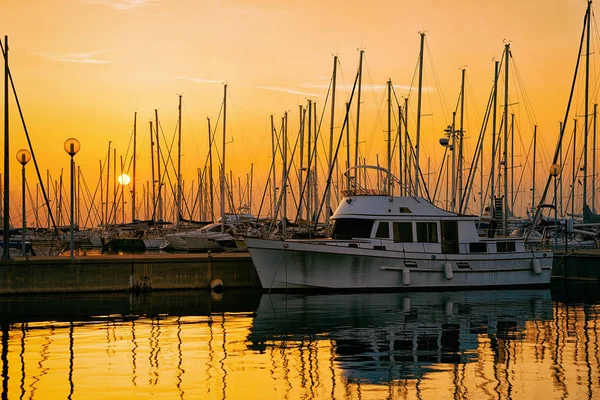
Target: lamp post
<point x="23" y="156"/>
<point x="72" y="146"/>
<point x="554" y="172"/>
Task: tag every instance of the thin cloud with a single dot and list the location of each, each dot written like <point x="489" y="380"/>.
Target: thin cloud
<point x="123" y="5"/>
<point x="288" y="90"/>
<point x="83" y="58"/>
<point x="198" y="80"/>
<point x="372" y="88"/>
<point x="305" y="89"/>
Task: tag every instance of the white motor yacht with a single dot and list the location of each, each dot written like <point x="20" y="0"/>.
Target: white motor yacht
<point x="381" y="242"/>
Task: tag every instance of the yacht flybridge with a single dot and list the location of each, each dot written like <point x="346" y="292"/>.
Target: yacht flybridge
<point x="381" y="242"/>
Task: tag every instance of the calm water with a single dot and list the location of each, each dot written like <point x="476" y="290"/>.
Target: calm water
<point x="520" y="344"/>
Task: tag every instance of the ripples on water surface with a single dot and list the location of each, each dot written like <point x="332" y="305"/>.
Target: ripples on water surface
<point x="450" y="345"/>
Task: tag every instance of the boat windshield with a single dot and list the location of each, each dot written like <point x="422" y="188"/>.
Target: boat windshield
<point x="351" y="228"/>
<point x="215" y="227"/>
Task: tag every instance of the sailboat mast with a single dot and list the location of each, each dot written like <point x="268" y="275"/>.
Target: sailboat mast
<point x="284" y="177"/>
<point x="562" y="162"/>
<point x="400" y="148"/>
<point x="122" y="192"/>
<point x="115" y="205"/>
<point x="454" y="146"/>
<point x="199" y="195"/>
<point x="505" y="147"/>
<point x="101" y="194"/>
<point x="274" y="177"/>
<point x="301" y="172"/>
<point x="134" y="165"/>
<point x="37" y="205"/>
<point x="314" y="162"/>
<point x="360" y="63"/>
<point x="49" y="193"/>
<point x="493" y="158"/>
<point x="153" y="177"/>
<point x="407" y="144"/>
<point x="107" y="184"/>
<point x="460" y="140"/>
<point x="419" y="95"/>
<point x="158" y="162"/>
<point x="6" y="197"/>
<point x="178" y="216"/>
<point x="512" y="161"/>
<point x="389" y="137"/>
<point x="78" y="195"/>
<point x="533" y="172"/>
<point x="594" y="162"/>
<point x="348" y="178"/>
<point x="331" y="126"/>
<point x="574" y="169"/>
<point x="210" y="173"/>
<point x="308" y="164"/>
<point x="586" y="107"/>
<point x="223" y="221"/>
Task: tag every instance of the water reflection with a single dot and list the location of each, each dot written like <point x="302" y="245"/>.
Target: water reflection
<point x="245" y="345"/>
<point x="379" y="337"/>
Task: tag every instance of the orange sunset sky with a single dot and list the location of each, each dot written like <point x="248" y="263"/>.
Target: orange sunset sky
<point x="83" y="67"/>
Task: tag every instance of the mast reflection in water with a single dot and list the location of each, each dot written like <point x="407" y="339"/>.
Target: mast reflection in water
<point x="245" y="345"/>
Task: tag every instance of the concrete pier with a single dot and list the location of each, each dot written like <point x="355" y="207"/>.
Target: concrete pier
<point x="113" y="273"/>
<point x="576" y="264"/>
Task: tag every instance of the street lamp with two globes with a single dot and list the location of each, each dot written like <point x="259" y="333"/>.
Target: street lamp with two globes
<point x="72" y="147"/>
<point x="23" y="156"/>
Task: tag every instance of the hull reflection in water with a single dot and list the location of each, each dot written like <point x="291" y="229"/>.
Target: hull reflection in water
<point x="379" y="337"/>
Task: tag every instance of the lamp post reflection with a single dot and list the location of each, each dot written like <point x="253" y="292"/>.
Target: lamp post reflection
<point x="23" y="156"/>
<point x="72" y="147"/>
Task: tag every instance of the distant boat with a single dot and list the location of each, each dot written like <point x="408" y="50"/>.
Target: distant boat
<point x="380" y="242"/>
<point x="214" y="237"/>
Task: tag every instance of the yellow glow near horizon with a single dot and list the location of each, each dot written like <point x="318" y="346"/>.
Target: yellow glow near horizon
<point x="82" y="68"/>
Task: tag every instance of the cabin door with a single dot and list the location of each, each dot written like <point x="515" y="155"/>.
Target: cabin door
<point x="450" y="237"/>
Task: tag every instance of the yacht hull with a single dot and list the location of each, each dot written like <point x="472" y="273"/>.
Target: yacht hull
<point x="154" y="243"/>
<point x="314" y="265"/>
<point x="201" y="244"/>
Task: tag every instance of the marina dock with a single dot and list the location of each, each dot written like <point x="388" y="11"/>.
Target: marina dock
<point x="113" y="273"/>
<point x="576" y="264"/>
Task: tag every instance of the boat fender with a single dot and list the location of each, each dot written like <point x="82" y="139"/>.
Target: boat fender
<point x="448" y="271"/>
<point x="216" y="285"/>
<point x="406" y="276"/>
<point x="535" y="265"/>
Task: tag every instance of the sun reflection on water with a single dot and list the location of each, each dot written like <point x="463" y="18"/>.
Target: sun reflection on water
<point x="521" y="344"/>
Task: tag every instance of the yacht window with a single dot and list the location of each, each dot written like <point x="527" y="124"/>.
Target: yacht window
<point x="403" y="232"/>
<point x="427" y="232"/>
<point x="349" y="228"/>
<point x="477" y="247"/>
<point x="383" y="231"/>
<point x="503" y="247"/>
<point x="405" y="210"/>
